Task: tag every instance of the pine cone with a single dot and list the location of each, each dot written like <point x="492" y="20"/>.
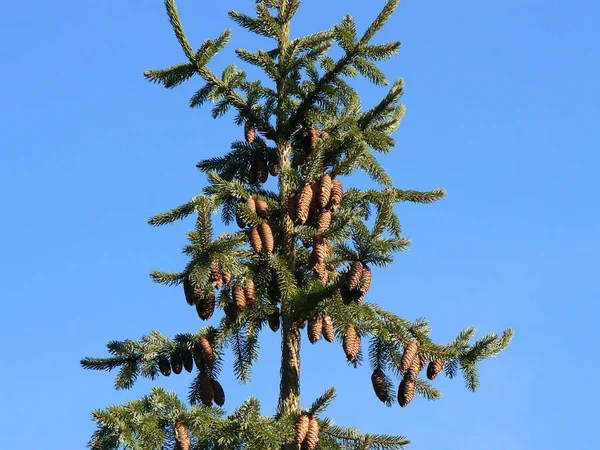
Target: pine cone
<point x="367" y="278"/>
<point x="322" y="273"/>
<point x="249" y="132"/>
<point x="186" y="356"/>
<point x="319" y="250"/>
<point x="325" y="190"/>
<point x="413" y="371"/>
<point x="355" y="275"/>
<point x="274" y="167"/>
<point x="328" y="331"/>
<point x="312" y="436"/>
<point x="207" y="394"/>
<point x="182" y="438"/>
<point x="407" y="357"/>
<point x="434" y="368"/>
<point x="176" y="362"/>
<point x="250" y="293"/>
<point x="406" y="392"/>
<point x="351" y="343"/>
<point x="266" y="237"/>
<point x="206" y="351"/>
<point x="216" y="276"/>
<point x="190" y="293"/>
<point x="380" y="386"/>
<point x="337" y="195"/>
<point x="303" y="208"/>
<point x="164" y="366"/>
<point x="324" y="221"/>
<point x="315" y="328"/>
<point x="238" y="218"/>
<point x="226" y="278"/>
<point x="302" y="428"/>
<point x="292" y="206"/>
<point x="206" y="306"/>
<point x="313" y="135"/>
<point x="239" y="298"/>
<point x="255" y="240"/>
<point x="231" y="311"/>
<point x="260" y="169"/>
<point x="273" y="320"/>
<point x="218" y="392"/>
<point x="251" y="204"/>
<point x="262" y="209"/>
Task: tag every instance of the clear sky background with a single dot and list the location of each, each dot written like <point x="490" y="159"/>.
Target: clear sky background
<point x="503" y="104"/>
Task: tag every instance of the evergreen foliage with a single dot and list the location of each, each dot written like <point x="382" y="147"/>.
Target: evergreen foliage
<point x="303" y="252"/>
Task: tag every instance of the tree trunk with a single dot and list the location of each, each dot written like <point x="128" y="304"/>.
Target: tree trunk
<point x="289" y="392"/>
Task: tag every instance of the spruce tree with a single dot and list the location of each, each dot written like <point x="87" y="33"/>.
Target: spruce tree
<point x="298" y="259"/>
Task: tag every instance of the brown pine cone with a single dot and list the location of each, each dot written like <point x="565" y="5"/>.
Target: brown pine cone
<point x="302" y="428"/>
<point x="231" y="311"/>
<point x="303" y="208"/>
<point x="255" y="240"/>
<point x="434" y="368"/>
<point x="206" y="306"/>
<point x="238" y="218"/>
<point x="351" y="343"/>
<point x="313" y="135"/>
<point x="337" y="194"/>
<point x="273" y="320"/>
<point x="251" y="203"/>
<point x="367" y="278"/>
<point x="274" y="168"/>
<point x="249" y="132"/>
<point x="354" y="275"/>
<point x="164" y="366"/>
<point x="315" y="328"/>
<point x="208" y="355"/>
<point x="239" y="298"/>
<point x="328" y="330"/>
<point x="324" y="221"/>
<point x="409" y="354"/>
<point x="266" y="237"/>
<point x="216" y="276"/>
<point x="260" y="169"/>
<point x="322" y="273"/>
<point x="250" y="293"/>
<point x="191" y="296"/>
<point x="325" y="190"/>
<point x="207" y="394"/>
<point x="226" y="278"/>
<point x="380" y="386"/>
<point x="292" y="206"/>
<point x="262" y="209"/>
<point x="219" y="393"/>
<point x="176" y="362"/>
<point x="319" y="250"/>
<point x="413" y="371"/>
<point x="312" y="436"/>
<point x="406" y="392"/>
<point x="186" y="356"/>
<point x="182" y="438"/>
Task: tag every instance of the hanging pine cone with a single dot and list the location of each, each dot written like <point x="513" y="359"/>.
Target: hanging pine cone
<point x="325" y="186"/>
<point x="176" y="362"/>
<point x="434" y="368"/>
<point x="328" y="331"/>
<point x="262" y="209"/>
<point x="164" y="366"/>
<point x="351" y="343"/>
<point x="261" y="170"/>
<point x="302" y="428"/>
<point x="354" y="275"/>
<point x="238" y="218"/>
<point x="218" y="392"/>
<point x="273" y="320"/>
<point x="226" y="278"/>
<point x="190" y="293"/>
<point x="249" y="132"/>
<point x="205" y="350"/>
<point x="367" y="278"/>
<point x="380" y="386"/>
<point x="274" y="167"/>
<point x="292" y="206"/>
<point x="319" y="250"/>
<point x="216" y="276"/>
<point x="239" y="298"/>
<point x="313" y="135"/>
<point x="251" y="204"/>
<point x="186" y="356"/>
<point x="315" y="328"/>
<point x="322" y="273"/>
<point x="406" y="392"/>
<point x="413" y="371"/>
<point x="231" y="311"/>
<point x="407" y="357"/>
<point x="255" y="240"/>
<point x="206" y="306"/>
<point x="337" y="195"/>
<point x="266" y="237"/>
<point x="312" y="436"/>
<point x="207" y="394"/>
<point x="250" y="293"/>
<point x="303" y="208"/>
<point x="324" y="221"/>
<point x="182" y="438"/>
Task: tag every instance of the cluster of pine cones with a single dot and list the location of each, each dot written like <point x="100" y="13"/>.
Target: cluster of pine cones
<point x="355" y="283"/>
<point x="261" y="166"/>
<point x="411" y="364"/>
<point x="307" y="432"/>
<point x="204" y="357"/>
<point x="261" y="237"/>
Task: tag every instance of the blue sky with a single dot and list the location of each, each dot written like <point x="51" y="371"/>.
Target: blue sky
<point x="502" y="98"/>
